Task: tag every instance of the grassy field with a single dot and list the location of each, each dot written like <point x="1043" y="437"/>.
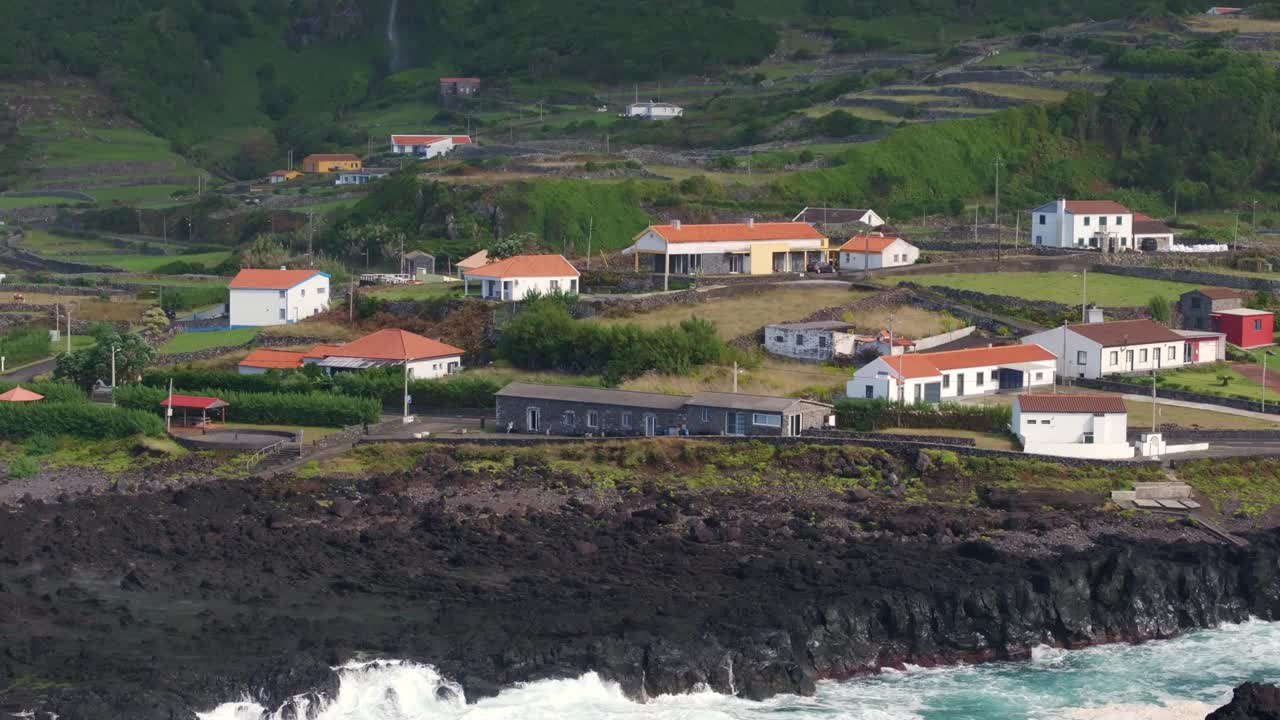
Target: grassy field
<point x="1029" y="93"/>
<point x="1061" y="287"/>
<point x="147" y="263"/>
<point x="742" y="314"/>
<point x="905" y="320"/>
<point x="1204" y="379"/>
<point x="192" y="341"/>
<point x="1023" y="58"/>
<point x="774" y="376"/>
<point x="1140" y="414"/>
<point x="42" y="241"/>
<point x="990" y="441"/>
<point x="415" y="292"/>
<point x="13" y="203"/>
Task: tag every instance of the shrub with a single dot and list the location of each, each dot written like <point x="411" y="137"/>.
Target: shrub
<point x="867" y="415"/>
<point x="41" y="444"/>
<point x="78" y="419"/>
<point x="22" y="467"/>
<point x="384" y="385"/>
<point x="274" y="408"/>
<point x="52" y="391"/>
<point x="24" y="345"/>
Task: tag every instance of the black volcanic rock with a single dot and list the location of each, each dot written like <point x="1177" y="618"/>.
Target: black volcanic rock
<point x="1251" y="701"/>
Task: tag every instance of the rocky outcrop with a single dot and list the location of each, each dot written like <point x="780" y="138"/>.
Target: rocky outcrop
<point x="1251" y="701"/>
<point x="258" y="586"/>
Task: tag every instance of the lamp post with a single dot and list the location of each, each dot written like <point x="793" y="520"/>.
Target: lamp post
<point x="113" y="375"/>
<point x="1264" y="379"/>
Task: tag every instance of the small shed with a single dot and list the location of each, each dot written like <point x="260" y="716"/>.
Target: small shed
<point x="418" y="263"/>
<point x="195" y="402"/>
<point x="20" y="394"/>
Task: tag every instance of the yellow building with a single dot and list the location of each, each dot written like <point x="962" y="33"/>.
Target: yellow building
<point x="283" y="176"/>
<point x="748" y="248"/>
<point x="331" y="162"/>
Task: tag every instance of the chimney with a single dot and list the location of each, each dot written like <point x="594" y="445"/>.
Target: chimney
<point x="1093" y="315"/>
<point x="675" y="224"/>
<point x="282" y="267"/>
<point x="751" y="223"/>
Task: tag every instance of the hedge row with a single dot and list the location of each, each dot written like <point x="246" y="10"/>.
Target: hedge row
<point x="52" y="391"/>
<point x="316" y="409"/>
<point x="79" y="419"/>
<point x="385" y="385"/>
<point x="868" y="415"/>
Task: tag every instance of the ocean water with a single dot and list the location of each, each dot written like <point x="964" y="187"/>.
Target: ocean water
<point x="1176" y="679"/>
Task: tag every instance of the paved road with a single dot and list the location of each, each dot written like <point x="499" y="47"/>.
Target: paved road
<point x="27" y="373"/>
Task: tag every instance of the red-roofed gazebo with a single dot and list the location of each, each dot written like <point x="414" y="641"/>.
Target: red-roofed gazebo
<point x="20" y="394"/>
<point x="196" y="402"/>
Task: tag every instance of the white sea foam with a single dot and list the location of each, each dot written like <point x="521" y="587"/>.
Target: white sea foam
<point x="1166" y="680"/>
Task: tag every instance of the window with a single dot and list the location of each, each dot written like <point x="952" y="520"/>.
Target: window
<point x="1195" y="303"/>
<point x="626" y="419"/>
<point x="1115" y="358"/>
<point x="822" y="341"/>
<point x="868" y="391"/>
<point x="573" y="285"/>
<point x="1086" y="221"/>
<point x="1257" y="324"/>
<point x="555" y="285"/>
<point x="1032" y="422"/>
<point x="1039" y="376"/>
<point x="282" y="293"/>
<point x="706" y="414"/>
<point x="1042" y="219"/>
<point x="322" y="290"/>
<point x="799" y="340"/>
<point x="569" y="418"/>
<point x="282" y="317"/>
<point x="946" y="381"/>
<point x="1142" y="356"/>
<point x="766" y="420"/>
<point x="994" y="375"/>
<point x="918" y="392"/>
<point x="1082" y="357"/>
<point x="593" y="419"/>
<point x="1119" y="219"/>
<point x="304" y="292"/>
<point x="978" y="378"/>
<point x="779" y="339"/>
<point x="1039" y="240"/>
<point x="1173" y="352"/>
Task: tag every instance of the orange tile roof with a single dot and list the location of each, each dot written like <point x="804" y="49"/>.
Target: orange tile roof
<point x="320" y="351"/>
<point x="1072" y="403"/>
<point x="330" y="156"/>
<point x="284" y="173"/>
<point x="273" y="359"/>
<point x="20" y="394"/>
<point x="868" y="243"/>
<point x="474" y="260"/>
<point x="461" y="139"/>
<point x="252" y="279"/>
<point x="739" y="232"/>
<point x="395" y="345"/>
<point x="916" y="365"/>
<point x="527" y="266"/>
<point x="417" y="139"/>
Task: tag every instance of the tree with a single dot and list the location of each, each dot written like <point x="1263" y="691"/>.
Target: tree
<point x="154" y="321"/>
<point x="512" y="244"/>
<point x="1158" y="309"/>
<point x="86" y="366"/>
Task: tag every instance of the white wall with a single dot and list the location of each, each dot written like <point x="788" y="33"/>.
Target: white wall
<point x="1077" y="233"/>
<point x="434" y="367"/>
<point x="1068" y="363"/>
<point x="244" y="370"/>
<point x="440" y="147"/>
<point x="1100" y="361"/>
<point x="256" y="308"/>
<point x="949" y="381"/>
<point x="898" y="254"/>
<point x="520" y="287"/>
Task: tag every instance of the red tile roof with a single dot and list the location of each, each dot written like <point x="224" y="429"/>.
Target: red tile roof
<point x="461" y="139"/>
<point x="273" y="359"/>
<point x="1118" y="333"/>
<point x="320" y="351"/>
<point x="1214" y="293"/>
<point x="1100" y="207"/>
<point x="417" y="139"/>
<point x="345" y="157"/>
<point x="1090" y="404"/>
<point x="459" y="79"/>
<point x="731" y="232"/>
<point x="251" y="279"/>
<point x="527" y="266"/>
<point x="395" y="345"/>
<point x="195" y="402"/>
<point x="868" y="244"/>
<point x="926" y="364"/>
<point x="20" y="394"/>
<point x="284" y="173"/>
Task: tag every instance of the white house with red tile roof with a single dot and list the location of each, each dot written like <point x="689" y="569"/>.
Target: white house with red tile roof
<point x="426" y="146"/>
<point x="513" y="278"/>
<point x="875" y="251"/>
<point x="1083" y="224"/>
<point x="1092" y="350"/>
<point x="1082" y="426"/>
<point x="423" y="357"/>
<point x="748" y="248"/>
<point x="1216" y="10"/>
<point x="277" y="297"/>
<point x="925" y="377"/>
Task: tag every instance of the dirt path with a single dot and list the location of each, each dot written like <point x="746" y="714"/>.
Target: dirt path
<point x="1254" y="373"/>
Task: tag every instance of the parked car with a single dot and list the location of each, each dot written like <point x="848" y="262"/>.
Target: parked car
<point x="821" y="267"/>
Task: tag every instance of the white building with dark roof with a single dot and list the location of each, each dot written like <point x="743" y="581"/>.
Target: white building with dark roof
<point x="1081" y="426"/>
<point x="1083" y="224"/>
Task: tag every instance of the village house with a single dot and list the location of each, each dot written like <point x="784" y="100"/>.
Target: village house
<point x="422" y="358"/>
<point x="883" y="342"/>
<point x="653" y="111"/>
<point x="747" y="248"/>
<point x="361" y="177"/>
<point x="1198" y="306"/>
<point x="1083" y="224"/>
<point x="1093" y="350"/>
<point x="815" y="341"/>
<point x="277" y="297"/>
<point x="839" y="216"/>
<point x="1223" y="11"/>
<point x="572" y="410"/>
<point x="925" y="377"/>
<point x="1245" y="328"/>
<point x="331" y="162"/>
<point x="262" y="360"/>
<point x="1151" y="235"/>
<point x="512" y="279"/>
<point x="459" y="87"/>
<point x="876" y="251"/>
<point x="282" y="176"/>
<point x="427" y="146"/>
<point x="471" y="262"/>
<point x="1081" y="426"/>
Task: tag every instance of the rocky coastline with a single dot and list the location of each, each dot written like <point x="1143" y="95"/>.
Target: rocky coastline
<point x="165" y="603"/>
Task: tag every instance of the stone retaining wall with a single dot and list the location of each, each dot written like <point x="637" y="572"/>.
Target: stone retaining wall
<point x="1195" y="277"/>
<point x="1184" y="395"/>
<point x="972" y="296"/>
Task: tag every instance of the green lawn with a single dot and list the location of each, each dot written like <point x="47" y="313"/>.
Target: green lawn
<point x="1061" y="287"/>
<point x="1023" y="58"/>
<point x="41" y="241"/>
<point x="192" y="341"/>
<point x="1018" y="92"/>
<point x="416" y="292"/>
<point x="147" y="263"/>
<point x="309" y="433"/>
<point x="1205" y="379"/>
<point x="12" y="203"/>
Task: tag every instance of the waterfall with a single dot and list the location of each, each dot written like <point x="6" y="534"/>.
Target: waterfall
<point x="393" y="38"/>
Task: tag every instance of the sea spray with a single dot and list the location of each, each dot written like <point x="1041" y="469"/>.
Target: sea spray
<point x="1178" y="679"/>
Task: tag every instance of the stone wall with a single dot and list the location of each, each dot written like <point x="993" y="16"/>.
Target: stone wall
<point x="1145" y="390"/>
<point x="1195" y="277"/>
<point x="8" y="288"/>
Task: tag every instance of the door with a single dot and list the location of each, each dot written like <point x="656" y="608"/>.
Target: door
<point x="1128" y="359"/>
<point x="506" y="290"/>
<point x="959" y="384"/>
<point x="650" y="425"/>
<point x="1010" y="379"/>
<point x="779" y="261"/>
<point x="533" y="419"/>
<point x="793" y="425"/>
<point x="735" y="423"/>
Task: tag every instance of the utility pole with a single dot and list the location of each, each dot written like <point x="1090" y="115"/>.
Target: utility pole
<point x="1263" y="392"/>
<point x="68" y="328"/>
<point x="405" y="418"/>
<point x="1084" y="295"/>
<point x="168" y="412"/>
<point x="113" y="375"/>
<point x="975" y="223"/>
<point x="735" y="376"/>
<point x="997" y="210"/>
<point x="1235" y="234"/>
<point x="1017" y="229"/>
<point x="591" y="226"/>
<point x="311" y="230"/>
<point x="351" y="303"/>
<point x="402" y="255"/>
